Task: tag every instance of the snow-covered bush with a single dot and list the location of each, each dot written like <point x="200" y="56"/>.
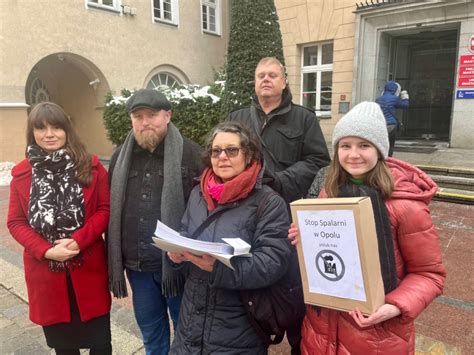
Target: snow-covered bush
<point x="195" y="109"/>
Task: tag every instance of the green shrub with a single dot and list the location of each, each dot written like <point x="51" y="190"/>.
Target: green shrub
<point x="254" y="34"/>
<point x="116" y="119"/>
<point x="196" y="110"/>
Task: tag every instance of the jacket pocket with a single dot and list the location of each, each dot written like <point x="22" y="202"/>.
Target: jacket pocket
<point x="132" y="174"/>
<point x="289" y="149"/>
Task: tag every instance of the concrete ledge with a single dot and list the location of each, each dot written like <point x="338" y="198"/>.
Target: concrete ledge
<point x="453" y="195"/>
<point x="451" y="171"/>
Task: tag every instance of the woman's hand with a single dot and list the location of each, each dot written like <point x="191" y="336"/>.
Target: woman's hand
<point x="69" y="243"/>
<point x="204" y="262"/>
<point x="294" y="234"/>
<point x="177" y="258"/>
<point x="385" y="312"/>
<point x="61" y="252"/>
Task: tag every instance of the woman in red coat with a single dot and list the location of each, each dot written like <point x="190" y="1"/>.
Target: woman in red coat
<point x="59" y="209"/>
<point x="410" y="258"/>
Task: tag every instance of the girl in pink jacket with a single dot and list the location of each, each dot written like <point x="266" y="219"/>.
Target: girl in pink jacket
<point x="410" y="258"/>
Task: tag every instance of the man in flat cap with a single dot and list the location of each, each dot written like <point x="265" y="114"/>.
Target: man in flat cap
<point x="144" y="174"/>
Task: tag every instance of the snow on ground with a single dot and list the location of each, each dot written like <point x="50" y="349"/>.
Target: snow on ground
<point x="5" y="177"/>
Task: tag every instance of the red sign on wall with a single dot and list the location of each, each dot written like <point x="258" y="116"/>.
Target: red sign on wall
<point x="466" y="82"/>
<point x="466" y="71"/>
<point x="466" y="59"/>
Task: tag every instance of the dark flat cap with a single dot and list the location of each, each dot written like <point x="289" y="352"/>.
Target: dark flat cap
<point x="148" y="98"/>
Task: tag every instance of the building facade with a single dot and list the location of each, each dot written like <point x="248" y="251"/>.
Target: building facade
<point x="75" y="52"/>
<point x="339" y="53"/>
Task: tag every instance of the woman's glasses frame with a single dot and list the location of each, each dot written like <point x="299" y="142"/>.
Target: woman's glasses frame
<point x="231" y="152"/>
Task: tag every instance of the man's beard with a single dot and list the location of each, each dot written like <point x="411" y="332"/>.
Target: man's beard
<point x="148" y="140"/>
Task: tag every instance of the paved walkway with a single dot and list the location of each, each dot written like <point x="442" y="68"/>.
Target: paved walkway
<point x="444" y="328"/>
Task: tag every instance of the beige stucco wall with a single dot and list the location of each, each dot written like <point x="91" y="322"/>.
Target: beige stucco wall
<point x="304" y="22"/>
<point x="12" y="133"/>
<point x="121" y="50"/>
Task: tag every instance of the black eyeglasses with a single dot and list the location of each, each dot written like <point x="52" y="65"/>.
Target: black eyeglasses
<point x="231" y="152"/>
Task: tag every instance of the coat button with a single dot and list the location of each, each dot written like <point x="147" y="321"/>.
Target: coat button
<point x="250" y="303"/>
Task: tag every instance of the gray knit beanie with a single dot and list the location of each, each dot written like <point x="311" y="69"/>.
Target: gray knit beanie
<point x="366" y="121"/>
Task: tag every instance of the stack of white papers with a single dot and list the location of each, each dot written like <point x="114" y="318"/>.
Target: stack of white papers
<point x="169" y="240"/>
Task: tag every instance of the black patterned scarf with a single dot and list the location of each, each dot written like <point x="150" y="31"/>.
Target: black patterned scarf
<point x="56" y="208"/>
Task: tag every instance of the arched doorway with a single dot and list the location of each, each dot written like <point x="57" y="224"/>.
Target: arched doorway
<point x="77" y="85"/>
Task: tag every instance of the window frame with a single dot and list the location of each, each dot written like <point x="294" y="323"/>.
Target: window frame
<point x="158" y="73"/>
<point x="318" y="69"/>
<point x="115" y="7"/>
<point x="174" y="13"/>
<point x="218" y="16"/>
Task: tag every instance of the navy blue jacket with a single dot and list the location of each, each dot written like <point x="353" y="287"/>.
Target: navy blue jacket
<point x="390" y="100"/>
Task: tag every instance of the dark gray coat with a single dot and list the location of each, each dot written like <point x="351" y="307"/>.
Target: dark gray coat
<point x="212" y="318"/>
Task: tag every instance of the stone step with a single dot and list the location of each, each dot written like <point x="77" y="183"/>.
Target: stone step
<point x="454" y="182"/>
<point x="446" y="171"/>
<point x="455" y="195"/>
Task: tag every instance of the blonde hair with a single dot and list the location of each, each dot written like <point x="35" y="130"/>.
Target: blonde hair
<point x="50" y="113"/>
<point x="379" y="178"/>
<point x="272" y="60"/>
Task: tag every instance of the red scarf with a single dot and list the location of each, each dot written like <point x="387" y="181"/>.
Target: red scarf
<point x="236" y="189"/>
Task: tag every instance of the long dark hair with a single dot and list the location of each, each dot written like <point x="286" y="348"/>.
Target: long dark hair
<point x="49" y="112"/>
<point x="248" y="141"/>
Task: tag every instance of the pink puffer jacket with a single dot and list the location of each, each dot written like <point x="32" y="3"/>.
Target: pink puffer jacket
<point x="420" y="270"/>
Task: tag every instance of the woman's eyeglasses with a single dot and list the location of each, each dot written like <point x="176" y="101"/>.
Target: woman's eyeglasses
<point x="231" y="152"/>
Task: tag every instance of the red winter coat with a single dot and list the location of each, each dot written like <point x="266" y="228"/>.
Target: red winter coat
<point x="47" y="290"/>
<point x="421" y="276"/>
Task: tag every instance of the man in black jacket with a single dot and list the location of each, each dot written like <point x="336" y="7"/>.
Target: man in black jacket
<point x="293" y="143"/>
<point x="151" y="177"/>
<point x="294" y="148"/>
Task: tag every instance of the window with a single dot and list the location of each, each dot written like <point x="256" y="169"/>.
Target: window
<point x="211" y="19"/>
<point x="316" y="78"/>
<point x="38" y="92"/>
<point x="113" y="5"/>
<point x="163" y="79"/>
<point x="166" y="11"/>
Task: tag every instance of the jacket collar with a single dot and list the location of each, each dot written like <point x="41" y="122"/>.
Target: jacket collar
<point x="284" y="107"/>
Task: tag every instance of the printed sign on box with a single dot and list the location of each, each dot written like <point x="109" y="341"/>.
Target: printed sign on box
<point x="338" y="253"/>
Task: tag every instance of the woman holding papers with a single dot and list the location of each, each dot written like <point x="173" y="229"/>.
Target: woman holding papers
<point x="212" y="317"/>
<point x="410" y="258"/>
<point x="59" y="208"/>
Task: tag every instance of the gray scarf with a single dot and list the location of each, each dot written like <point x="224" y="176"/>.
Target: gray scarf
<point x="172" y="209"/>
